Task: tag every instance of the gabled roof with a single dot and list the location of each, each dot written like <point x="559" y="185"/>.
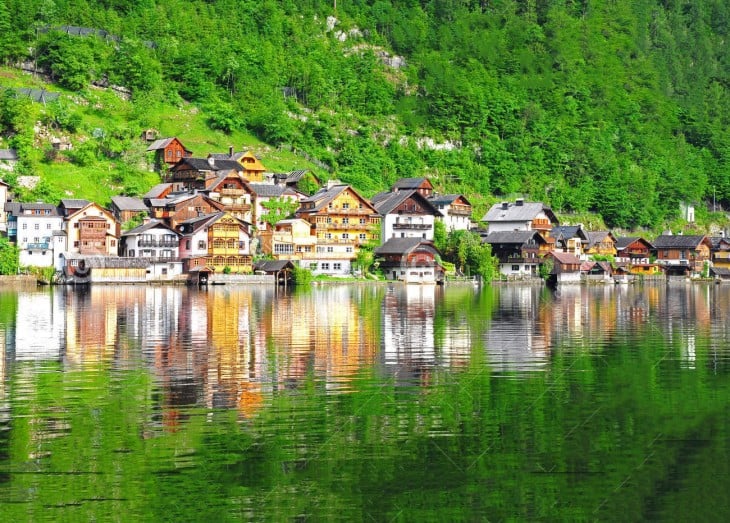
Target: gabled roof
<point x="157" y="190"/>
<point x="513" y="237"/>
<point x="69" y="203"/>
<point x="267" y="190"/>
<point x="324" y="196"/>
<point x="127" y="203"/>
<point x="566" y="258"/>
<point x="622" y="242"/>
<point x="678" y="241"/>
<point x="410" y="183"/>
<point x="195" y="224"/>
<point x="18" y="208"/>
<point x="152" y="224"/>
<point x="202" y="164"/>
<point x="447" y="199"/>
<point x="518" y="212"/>
<point x="719" y="242"/>
<point x="595" y="237"/>
<point x="385" y="203"/>
<point x="402" y="245"/>
<point x="164" y="142"/>
<point x="568" y="231"/>
<point x="272" y="265"/>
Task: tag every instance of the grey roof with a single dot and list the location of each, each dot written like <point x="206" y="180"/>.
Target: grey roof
<point x="720" y="272"/>
<point x="568" y="231"/>
<point x="160" y="144"/>
<point x="37" y="95"/>
<point x="595" y="237"/>
<point x="678" y="241"/>
<point x="446" y="199"/>
<point x="152" y="224"/>
<point x="267" y="190"/>
<point x="402" y="245"/>
<point x="385" y="203"/>
<point x="272" y="265"/>
<point x="325" y="195"/>
<point x="409" y="183"/>
<point x="512" y="237"/>
<point x="127" y="203"/>
<point x="71" y="203"/>
<point x="295" y="176"/>
<point x="12" y="207"/>
<point x="157" y="190"/>
<point x="202" y="164"/>
<point x="18" y="208"/>
<point x="8" y="154"/>
<point x="515" y="212"/>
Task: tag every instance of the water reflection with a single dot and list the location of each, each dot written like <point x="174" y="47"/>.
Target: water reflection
<point x="360" y="400"/>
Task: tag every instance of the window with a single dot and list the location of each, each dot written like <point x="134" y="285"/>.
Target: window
<point x="283" y="248"/>
<point x="348" y="249"/>
<point x="325" y="266"/>
<point x="328" y="236"/>
<point x="329" y="219"/>
<point x="345" y="236"/>
<point x="515" y="268"/>
<point x="25" y="226"/>
<point x="76" y="244"/>
<point x="337" y="266"/>
<point x="131" y="253"/>
<point x="201" y="244"/>
<point x="362" y="236"/>
<point x="346" y="205"/>
<point x="48" y="226"/>
<point x="345" y="221"/>
<point x="330" y="249"/>
<point x="363" y="221"/>
<point x="187" y="244"/>
<point x="113" y="243"/>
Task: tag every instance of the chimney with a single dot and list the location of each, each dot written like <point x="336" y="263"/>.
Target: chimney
<point x="505" y="205"/>
<point x="211" y="161"/>
<point x="230" y="151"/>
<point x="519" y="202"/>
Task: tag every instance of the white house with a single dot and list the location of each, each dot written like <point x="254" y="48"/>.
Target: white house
<point x="157" y="243"/>
<point x="520" y="216"/>
<point x="37" y="226"/>
<point x="405" y="214"/>
<point x="455" y="211"/>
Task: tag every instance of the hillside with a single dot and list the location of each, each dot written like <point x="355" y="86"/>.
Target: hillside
<point x="614" y="109"/>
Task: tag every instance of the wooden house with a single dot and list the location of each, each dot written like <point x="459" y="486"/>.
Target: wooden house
<point x="411" y="260"/>
<point x="218" y="243"/>
<point x="519" y="252"/>
<point x="342" y="220"/>
<point x="633" y="250"/>
<point x="281" y="270"/>
<point x="569" y="238"/>
<point x="520" y="216"/>
<point x="421" y="185"/>
<point x="179" y="207"/>
<point x="405" y="214"/>
<point x="455" y="211"/>
<point x="92" y="230"/>
<point x="720" y="252"/>
<point x="682" y="254"/>
<point x="266" y="192"/>
<point x="252" y="168"/>
<point x="168" y="152"/>
<point x="600" y="243"/>
<point x="304" y="181"/>
<point x="232" y="191"/>
<point x="125" y="208"/>
<point x="199" y="174"/>
<point x="566" y="267"/>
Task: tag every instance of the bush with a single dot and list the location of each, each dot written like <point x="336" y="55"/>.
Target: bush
<point x="302" y="276"/>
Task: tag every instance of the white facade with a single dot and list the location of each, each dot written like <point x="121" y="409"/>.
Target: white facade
<point x="35" y="235"/>
<point x="408" y="226"/>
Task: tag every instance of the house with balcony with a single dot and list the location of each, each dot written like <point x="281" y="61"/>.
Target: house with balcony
<point x="600" y="243"/>
<point x="341" y="220"/>
<point x="519" y="252"/>
<point x="682" y="255"/>
<point x="455" y="211"/>
<point x="126" y="208"/>
<point x="422" y="185"/>
<point x="720" y="252"/>
<point x="35" y="228"/>
<point x="292" y="239"/>
<point x="252" y="168"/>
<point x="569" y="238"/>
<point x="199" y="174"/>
<point x="156" y="242"/>
<point x="411" y="260"/>
<point x="234" y="193"/>
<point x="520" y="216"/>
<point x="216" y="243"/>
<point x="92" y="230"/>
<point x="176" y="208"/>
<point x="405" y="214"/>
<point x="634" y="254"/>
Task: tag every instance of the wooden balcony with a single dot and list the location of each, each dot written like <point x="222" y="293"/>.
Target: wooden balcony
<point x="412" y="226"/>
<point x="234" y="193"/>
<point x="460" y="210"/>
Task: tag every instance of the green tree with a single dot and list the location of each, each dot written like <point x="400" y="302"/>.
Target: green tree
<point x="9" y="257"/>
<point x="278" y="209"/>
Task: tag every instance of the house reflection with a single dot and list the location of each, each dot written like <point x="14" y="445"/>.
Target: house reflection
<point x="39" y="327"/>
<point x="517" y="337"/>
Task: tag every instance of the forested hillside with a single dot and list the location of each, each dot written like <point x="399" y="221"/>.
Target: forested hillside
<point x="620" y="108"/>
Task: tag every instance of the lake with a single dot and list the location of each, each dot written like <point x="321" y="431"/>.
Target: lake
<point x="365" y="402"/>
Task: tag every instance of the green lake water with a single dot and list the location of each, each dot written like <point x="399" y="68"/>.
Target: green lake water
<point x="365" y="403"/>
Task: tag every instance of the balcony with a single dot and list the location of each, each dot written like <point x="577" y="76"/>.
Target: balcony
<point x="236" y="193"/>
<point x="460" y="210"/>
<point x="157" y="243"/>
<point x="412" y="226"/>
<point x="37" y="247"/>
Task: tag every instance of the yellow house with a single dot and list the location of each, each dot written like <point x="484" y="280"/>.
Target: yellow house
<point x="92" y="230"/>
<point x="253" y="169"/>
<point x="341" y="221"/>
<point x="218" y="242"/>
<point x="601" y="243"/>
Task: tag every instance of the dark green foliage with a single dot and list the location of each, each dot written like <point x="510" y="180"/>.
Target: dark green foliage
<point x="619" y="108"/>
<point x="9" y="256"/>
<point x="301" y="276"/>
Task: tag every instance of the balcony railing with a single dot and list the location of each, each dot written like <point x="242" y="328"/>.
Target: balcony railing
<point x="232" y="192"/>
<point x="414" y="226"/>
<point x="157" y="243"/>
<point x="346" y="226"/>
<point x="460" y="210"/>
<point x="37" y="246"/>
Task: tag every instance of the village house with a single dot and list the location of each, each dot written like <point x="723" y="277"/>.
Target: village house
<point x="634" y="254"/>
<point x="455" y="211"/>
<point x="301" y="180"/>
<point x="156" y="242"/>
<point x="216" y="243"/>
<point x="251" y="167"/>
<point x="720" y="252"/>
<point x="92" y="230"/>
<point x="422" y="185"/>
<point x="35" y="228"/>
<point x="292" y="239"/>
<point x="411" y="260"/>
<point x="566" y="267"/>
<point x="569" y="238"/>
<point x="200" y="174"/>
<point x="600" y="243"/>
<point x="179" y="207"/>
<point x="341" y="220"/>
<point x="405" y="214"/>
<point x="682" y="254"/>
<point x="234" y="193"/>
<point x="519" y="252"/>
<point x="126" y="208"/>
<point x="520" y="216"/>
<point x="168" y="151"/>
